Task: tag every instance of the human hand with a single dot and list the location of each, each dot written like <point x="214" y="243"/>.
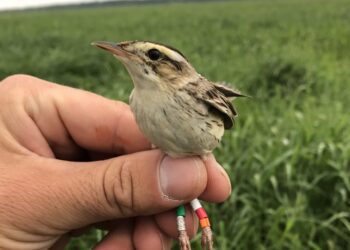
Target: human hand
<point x="70" y="159"/>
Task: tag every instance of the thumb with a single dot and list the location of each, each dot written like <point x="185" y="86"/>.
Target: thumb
<point x="136" y="184"/>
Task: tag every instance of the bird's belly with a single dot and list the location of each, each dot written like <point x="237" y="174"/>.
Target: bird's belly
<point x="177" y="132"/>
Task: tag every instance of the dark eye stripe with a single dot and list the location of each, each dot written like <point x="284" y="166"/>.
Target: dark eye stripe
<point x="172" y="48"/>
<point x="176" y="64"/>
<point x="156" y="55"/>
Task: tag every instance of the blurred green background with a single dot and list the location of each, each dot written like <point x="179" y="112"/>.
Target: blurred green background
<point x="288" y="155"/>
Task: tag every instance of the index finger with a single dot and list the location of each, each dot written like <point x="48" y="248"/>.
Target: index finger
<point x="99" y="124"/>
<point x="93" y="122"/>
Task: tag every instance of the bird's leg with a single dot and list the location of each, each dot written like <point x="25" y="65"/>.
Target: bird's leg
<point x="207" y="241"/>
<point x="184" y="241"/>
<point x="207" y="234"/>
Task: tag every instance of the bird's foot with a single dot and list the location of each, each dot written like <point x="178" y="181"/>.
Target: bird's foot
<point x="184" y="241"/>
<point x="207" y="239"/>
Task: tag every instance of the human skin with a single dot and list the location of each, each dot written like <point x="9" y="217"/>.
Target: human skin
<point x="71" y="160"/>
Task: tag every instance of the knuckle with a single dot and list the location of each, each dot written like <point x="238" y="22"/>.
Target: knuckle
<point x="16" y="79"/>
<point x="23" y="81"/>
<point x="15" y="86"/>
<point x="121" y="194"/>
<point x="21" y="89"/>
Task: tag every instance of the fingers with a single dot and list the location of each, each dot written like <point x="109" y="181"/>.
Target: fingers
<point x="68" y="119"/>
<point x="98" y="124"/>
<point x="217" y="190"/>
<point x="147" y="235"/>
<point x="61" y="243"/>
<point x="71" y="120"/>
<point x="85" y="193"/>
<point x="144" y="183"/>
<point x="82" y="194"/>
<point x="118" y="237"/>
<point x="219" y="186"/>
<point x="166" y="221"/>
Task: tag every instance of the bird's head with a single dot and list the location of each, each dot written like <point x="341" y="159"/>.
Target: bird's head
<point x="152" y="65"/>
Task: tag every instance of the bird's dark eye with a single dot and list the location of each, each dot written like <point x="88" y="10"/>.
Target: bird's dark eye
<point x="154" y="54"/>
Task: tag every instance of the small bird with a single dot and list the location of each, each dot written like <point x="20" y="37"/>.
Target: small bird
<point x="177" y="109"/>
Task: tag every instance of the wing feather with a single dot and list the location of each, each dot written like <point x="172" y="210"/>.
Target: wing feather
<point x="228" y="91"/>
<point x="216" y="97"/>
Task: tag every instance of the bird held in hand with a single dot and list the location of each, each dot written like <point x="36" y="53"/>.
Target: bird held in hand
<point x="176" y="108"/>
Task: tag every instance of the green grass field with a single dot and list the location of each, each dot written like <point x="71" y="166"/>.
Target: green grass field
<point x="288" y="156"/>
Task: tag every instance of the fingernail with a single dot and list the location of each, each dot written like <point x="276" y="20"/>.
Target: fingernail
<point x="182" y="178"/>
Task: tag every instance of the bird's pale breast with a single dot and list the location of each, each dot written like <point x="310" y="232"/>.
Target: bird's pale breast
<point x="176" y="122"/>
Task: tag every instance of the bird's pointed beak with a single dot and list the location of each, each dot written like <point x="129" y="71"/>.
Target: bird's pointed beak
<point x="114" y="48"/>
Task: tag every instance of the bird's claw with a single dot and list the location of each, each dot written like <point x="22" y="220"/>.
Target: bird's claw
<point x="184" y="241"/>
<point x="207" y="239"/>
